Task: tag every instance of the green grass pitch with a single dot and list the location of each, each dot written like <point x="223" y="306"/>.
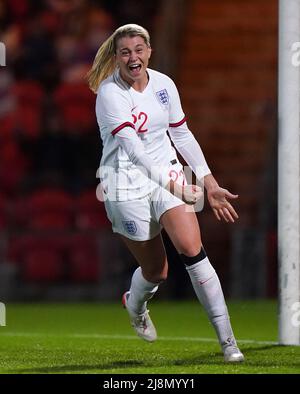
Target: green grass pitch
<point x="96" y="338"/>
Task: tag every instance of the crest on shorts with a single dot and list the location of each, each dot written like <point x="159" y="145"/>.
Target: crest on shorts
<point x="163" y="97"/>
<point x="130" y="226"/>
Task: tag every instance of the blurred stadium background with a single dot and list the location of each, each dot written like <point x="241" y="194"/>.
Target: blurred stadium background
<point x="55" y="240"/>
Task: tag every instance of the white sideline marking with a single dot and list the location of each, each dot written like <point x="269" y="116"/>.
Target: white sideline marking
<point x="107" y="336"/>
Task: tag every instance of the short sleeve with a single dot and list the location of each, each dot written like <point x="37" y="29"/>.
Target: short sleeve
<point x="113" y="110"/>
<point x="176" y="114"/>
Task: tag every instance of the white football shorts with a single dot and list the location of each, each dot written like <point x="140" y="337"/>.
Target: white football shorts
<point x="139" y="219"/>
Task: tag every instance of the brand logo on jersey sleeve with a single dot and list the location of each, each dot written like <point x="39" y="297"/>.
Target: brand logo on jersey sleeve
<point x="130" y="226"/>
<point x="163" y="96"/>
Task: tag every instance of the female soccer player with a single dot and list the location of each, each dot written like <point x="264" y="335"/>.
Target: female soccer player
<point x="144" y="184"/>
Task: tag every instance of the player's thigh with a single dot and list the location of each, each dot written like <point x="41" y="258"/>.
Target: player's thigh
<point x="183" y="229"/>
<point x="151" y="256"/>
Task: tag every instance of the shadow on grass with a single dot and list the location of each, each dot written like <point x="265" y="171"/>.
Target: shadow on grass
<point x="84" y="367"/>
<point x="246" y="349"/>
<point x="210" y="358"/>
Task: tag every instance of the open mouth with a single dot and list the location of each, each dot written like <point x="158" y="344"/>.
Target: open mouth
<point x="135" y="68"/>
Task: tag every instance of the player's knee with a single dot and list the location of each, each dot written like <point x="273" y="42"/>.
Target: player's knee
<point x="189" y="260"/>
<point x="190" y="249"/>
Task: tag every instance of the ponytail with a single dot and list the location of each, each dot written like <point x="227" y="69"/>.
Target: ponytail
<point x="104" y="63"/>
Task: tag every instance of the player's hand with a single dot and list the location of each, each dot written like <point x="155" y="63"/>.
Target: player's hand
<point x="221" y="207"/>
<point x="190" y="194"/>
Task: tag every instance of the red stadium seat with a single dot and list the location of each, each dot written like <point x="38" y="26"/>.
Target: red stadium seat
<point x="50" y="221"/>
<point x="50" y="199"/>
<point x="84" y="259"/>
<point x="84" y="265"/>
<point x="28" y="92"/>
<point x="74" y="258"/>
<point x="42" y="264"/>
<point x="3" y="213"/>
<point x="76" y="103"/>
<point x="19" y="246"/>
<point x="38" y="258"/>
<point x="78" y="117"/>
<point x="13" y="165"/>
<point x="45" y="209"/>
<point x="28" y="114"/>
<point x="7" y="126"/>
<point x="20" y="213"/>
<point x="75" y="93"/>
<point x="2" y="221"/>
<point x="28" y="120"/>
<point x="90" y="213"/>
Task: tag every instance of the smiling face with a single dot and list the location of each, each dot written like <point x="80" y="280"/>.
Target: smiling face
<point x="132" y="57"/>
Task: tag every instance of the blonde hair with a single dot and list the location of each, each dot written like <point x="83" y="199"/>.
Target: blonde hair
<point x="104" y="63"/>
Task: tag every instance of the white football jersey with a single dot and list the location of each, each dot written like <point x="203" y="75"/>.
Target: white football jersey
<point x="150" y="114"/>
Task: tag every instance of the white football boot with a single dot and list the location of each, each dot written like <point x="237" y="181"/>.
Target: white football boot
<point x="142" y="323"/>
<point x="232" y="353"/>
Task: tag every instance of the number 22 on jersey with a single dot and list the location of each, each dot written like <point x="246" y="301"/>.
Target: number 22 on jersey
<point x="142" y="119"/>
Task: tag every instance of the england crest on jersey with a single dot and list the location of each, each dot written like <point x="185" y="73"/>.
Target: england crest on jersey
<point x="163" y="97"/>
<point x="130" y="227"/>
